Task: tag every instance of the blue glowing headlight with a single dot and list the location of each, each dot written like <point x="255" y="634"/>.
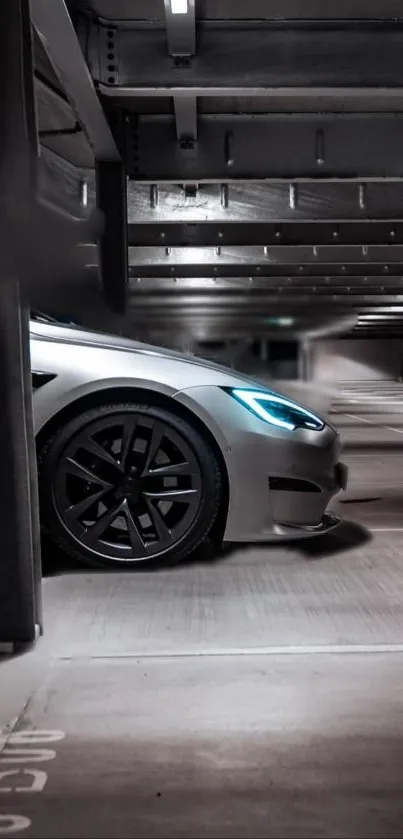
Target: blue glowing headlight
<point x="278" y="410"/>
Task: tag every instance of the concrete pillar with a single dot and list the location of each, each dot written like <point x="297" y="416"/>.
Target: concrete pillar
<point x="20" y="608"/>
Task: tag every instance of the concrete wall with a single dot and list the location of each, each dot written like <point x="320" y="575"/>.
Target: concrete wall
<point x="337" y="360"/>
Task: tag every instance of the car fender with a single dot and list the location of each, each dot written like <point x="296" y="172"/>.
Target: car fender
<point x="54" y="396"/>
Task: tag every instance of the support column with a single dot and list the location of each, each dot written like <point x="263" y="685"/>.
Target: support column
<point x="304" y="361"/>
<point x="111" y="192"/>
<point x="264" y="350"/>
<point x="20" y="609"/>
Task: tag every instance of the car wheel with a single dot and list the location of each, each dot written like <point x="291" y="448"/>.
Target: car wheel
<point x="128" y="484"/>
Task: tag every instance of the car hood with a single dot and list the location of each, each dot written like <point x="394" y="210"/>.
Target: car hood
<point x="77" y="336"/>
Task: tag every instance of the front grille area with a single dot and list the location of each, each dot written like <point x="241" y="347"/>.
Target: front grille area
<point x="292" y="485"/>
<point x="341" y="475"/>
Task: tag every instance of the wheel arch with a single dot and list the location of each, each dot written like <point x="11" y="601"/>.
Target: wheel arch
<point x="151" y="397"/>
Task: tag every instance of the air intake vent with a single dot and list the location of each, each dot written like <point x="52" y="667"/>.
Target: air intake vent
<point x="292" y="485"/>
<point x="40" y="379"/>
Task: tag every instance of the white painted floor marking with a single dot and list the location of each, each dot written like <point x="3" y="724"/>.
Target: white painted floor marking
<point x="13" y="824"/>
<point x="325" y="649"/>
<point x="10" y="823"/>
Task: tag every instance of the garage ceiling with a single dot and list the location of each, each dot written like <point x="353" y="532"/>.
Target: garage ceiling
<point x="263" y="145"/>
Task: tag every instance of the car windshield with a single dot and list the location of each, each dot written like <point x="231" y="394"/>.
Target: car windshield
<point x="41" y="317"/>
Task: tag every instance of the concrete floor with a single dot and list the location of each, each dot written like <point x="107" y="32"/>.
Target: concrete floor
<point x="257" y="696"/>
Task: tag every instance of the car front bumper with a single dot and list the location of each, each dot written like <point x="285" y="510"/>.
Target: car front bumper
<point x="289" y="532"/>
<point x="280" y="481"/>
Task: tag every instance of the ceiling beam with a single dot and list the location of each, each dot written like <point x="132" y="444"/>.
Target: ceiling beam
<point x="275" y="255"/>
<point x="180" y="25"/>
<point x="59" y="130"/>
<point x="306" y="10"/>
<point x="300" y="260"/>
<point x="223" y="233"/>
<point x="269" y="147"/>
<point x="261" y="59"/>
<point x="371" y="99"/>
<point x="259" y="285"/>
<point x="251" y="272"/>
<point x="55" y="29"/>
<point x="312" y="201"/>
<point x="244" y="306"/>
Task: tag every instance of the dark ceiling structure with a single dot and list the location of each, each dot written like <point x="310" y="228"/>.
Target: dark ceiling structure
<point x="247" y="155"/>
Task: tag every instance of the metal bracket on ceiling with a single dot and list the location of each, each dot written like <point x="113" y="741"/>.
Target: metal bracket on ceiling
<point x="60" y="132"/>
<point x="180" y="21"/>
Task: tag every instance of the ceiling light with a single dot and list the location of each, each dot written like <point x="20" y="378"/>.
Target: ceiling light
<point x="179" y="7"/>
<point x="282" y="321"/>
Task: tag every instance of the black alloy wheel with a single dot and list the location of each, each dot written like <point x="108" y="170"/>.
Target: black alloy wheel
<point x="127" y="484"/>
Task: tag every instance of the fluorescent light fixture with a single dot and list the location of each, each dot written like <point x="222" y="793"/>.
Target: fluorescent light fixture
<point x="179" y="7"/>
<point x="282" y="321"/>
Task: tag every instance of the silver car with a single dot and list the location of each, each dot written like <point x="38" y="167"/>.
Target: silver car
<point x="144" y="453"/>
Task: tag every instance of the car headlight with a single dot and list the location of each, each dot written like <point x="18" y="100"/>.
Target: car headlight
<point x="277" y="410"/>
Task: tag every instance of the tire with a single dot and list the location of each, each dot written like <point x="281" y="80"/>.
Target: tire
<point x="128" y="485"/>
